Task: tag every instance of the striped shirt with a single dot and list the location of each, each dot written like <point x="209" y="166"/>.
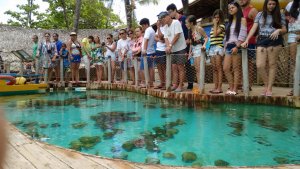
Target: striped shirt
<point x="217" y="40"/>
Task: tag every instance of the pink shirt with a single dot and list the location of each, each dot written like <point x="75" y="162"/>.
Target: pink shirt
<point x="137" y="45"/>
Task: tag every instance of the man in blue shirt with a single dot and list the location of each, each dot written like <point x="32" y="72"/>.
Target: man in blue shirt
<point x="57" y="62"/>
<point x="190" y="72"/>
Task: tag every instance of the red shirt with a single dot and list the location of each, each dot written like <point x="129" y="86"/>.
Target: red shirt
<point x="250" y="23"/>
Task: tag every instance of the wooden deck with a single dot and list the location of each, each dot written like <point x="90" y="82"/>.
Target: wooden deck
<point x="24" y="153"/>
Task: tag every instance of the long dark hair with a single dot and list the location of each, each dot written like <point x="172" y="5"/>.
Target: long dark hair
<point x="238" y="22"/>
<point x="294" y="12"/>
<point x="221" y="15"/>
<point x="276" y="15"/>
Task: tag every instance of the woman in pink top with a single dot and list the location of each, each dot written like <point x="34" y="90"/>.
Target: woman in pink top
<point x="236" y="33"/>
<point x="136" y="48"/>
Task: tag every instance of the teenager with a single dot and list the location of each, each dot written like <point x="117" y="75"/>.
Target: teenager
<point x="271" y="25"/>
<point x="137" y="51"/>
<point x="249" y="13"/>
<point x="189" y="71"/>
<point x="198" y="40"/>
<point x="148" y="49"/>
<point x="216" y="52"/>
<point x="293" y="18"/>
<point x="111" y="54"/>
<point x="160" y="59"/>
<point x="236" y="33"/>
<point x="58" y="44"/>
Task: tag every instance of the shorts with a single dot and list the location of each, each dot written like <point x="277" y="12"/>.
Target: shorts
<point x="196" y="50"/>
<point x="251" y="50"/>
<point x="179" y="57"/>
<point x="76" y="59"/>
<point x="149" y="61"/>
<point x="54" y="64"/>
<point x="229" y="47"/>
<point x="85" y="61"/>
<point x="129" y="64"/>
<point x="160" y="57"/>
<point x="292" y="38"/>
<point x="215" y="50"/>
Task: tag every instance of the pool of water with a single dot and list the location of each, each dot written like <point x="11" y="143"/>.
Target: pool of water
<point x="142" y="128"/>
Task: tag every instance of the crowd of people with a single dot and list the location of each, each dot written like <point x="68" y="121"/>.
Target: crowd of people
<point x="185" y="41"/>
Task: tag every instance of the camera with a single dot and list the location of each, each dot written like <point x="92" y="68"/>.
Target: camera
<point x="49" y="51"/>
<point x="103" y="44"/>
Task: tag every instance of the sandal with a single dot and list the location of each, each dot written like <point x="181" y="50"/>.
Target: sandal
<point x="268" y="94"/>
<point x="216" y="92"/>
<point x="228" y="92"/>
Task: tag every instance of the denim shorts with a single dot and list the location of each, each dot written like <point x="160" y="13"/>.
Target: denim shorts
<point x="149" y="61"/>
<point x="196" y="50"/>
<point x="251" y="50"/>
<point x="229" y="48"/>
<point x="215" y="50"/>
<point x="76" y="59"/>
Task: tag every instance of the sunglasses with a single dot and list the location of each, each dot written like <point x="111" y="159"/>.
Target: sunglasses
<point x="130" y="33"/>
<point x="122" y="33"/>
<point x="47" y="36"/>
<point x="108" y="38"/>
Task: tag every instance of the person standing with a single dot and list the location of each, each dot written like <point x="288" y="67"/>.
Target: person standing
<point x="48" y="55"/>
<point x="111" y="54"/>
<point x="190" y="74"/>
<point x="74" y="48"/>
<point x="148" y="49"/>
<point x="137" y="51"/>
<point x="249" y="13"/>
<point x="176" y="46"/>
<point x="131" y="39"/>
<point x="34" y="56"/>
<point x="198" y="40"/>
<point x="216" y="51"/>
<point x="271" y="25"/>
<point x="122" y="49"/>
<point x="160" y="59"/>
<point x="58" y="44"/>
<point x="293" y="19"/>
<point x="236" y="33"/>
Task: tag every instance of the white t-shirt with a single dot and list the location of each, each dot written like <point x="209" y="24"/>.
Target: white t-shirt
<point x="110" y="53"/>
<point x="123" y="46"/>
<point x="159" y="45"/>
<point x="293" y="27"/>
<point x="150" y="35"/>
<point x="171" y="31"/>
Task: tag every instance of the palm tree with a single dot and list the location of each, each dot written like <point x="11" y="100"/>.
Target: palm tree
<point x="130" y="5"/>
<point x="77" y="15"/>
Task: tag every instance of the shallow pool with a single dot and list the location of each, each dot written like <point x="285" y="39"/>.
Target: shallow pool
<point x="142" y="128"/>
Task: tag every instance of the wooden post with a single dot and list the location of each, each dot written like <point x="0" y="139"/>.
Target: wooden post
<point x="245" y="72"/>
<point x="168" y="72"/>
<point x="297" y="74"/>
<point x="136" y="71"/>
<point x="125" y="71"/>
<point x="109" y="70"/>
<point x="202" y="72"/>
<point x="62" y="81"/>
<point x="146" y="71"/>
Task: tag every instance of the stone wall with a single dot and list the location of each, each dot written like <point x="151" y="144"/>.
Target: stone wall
<point x="15" y="38"/>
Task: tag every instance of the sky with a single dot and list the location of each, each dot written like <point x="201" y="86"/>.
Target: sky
<point x="147" y="11"/>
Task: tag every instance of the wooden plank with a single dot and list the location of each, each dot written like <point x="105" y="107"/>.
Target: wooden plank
<point x="15" y="160"/>
<point x="72" y="158"/>
<point x="38" y="157"/>
<point x="113" y="164"/>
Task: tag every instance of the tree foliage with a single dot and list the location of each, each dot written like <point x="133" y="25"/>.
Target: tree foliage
<point x="93" y="15"/>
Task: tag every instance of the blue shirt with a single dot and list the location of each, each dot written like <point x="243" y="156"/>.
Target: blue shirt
<point x="182" y="19"/>
<point x="58" y="45"/>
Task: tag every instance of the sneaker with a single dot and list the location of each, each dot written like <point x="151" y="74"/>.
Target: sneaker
<point x="190" y="86"/>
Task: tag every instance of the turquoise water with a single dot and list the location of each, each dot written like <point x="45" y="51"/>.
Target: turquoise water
<point x="242" y="135"/>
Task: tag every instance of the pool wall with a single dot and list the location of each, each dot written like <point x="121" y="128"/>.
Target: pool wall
<point x="191" y="97"/>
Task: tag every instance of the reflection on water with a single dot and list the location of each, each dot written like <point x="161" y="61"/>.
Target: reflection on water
<point x="142" y="128"/>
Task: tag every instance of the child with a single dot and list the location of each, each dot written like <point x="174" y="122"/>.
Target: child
<point x="64" y="53"/>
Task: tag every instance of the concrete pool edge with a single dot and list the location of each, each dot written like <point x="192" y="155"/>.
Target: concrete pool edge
<point x="289" y="101"/>
<point x="122" y="164"/>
